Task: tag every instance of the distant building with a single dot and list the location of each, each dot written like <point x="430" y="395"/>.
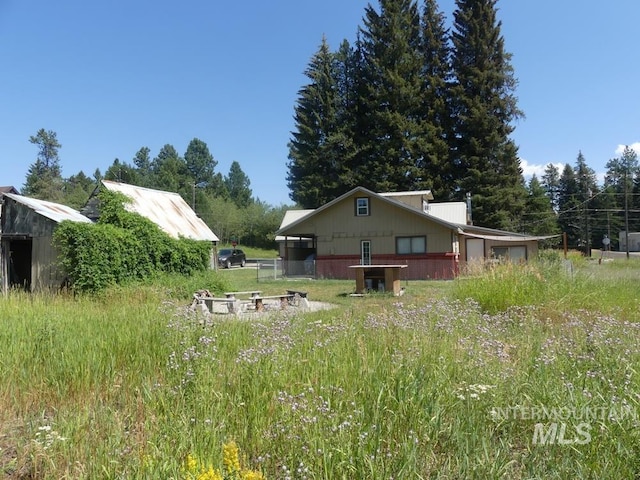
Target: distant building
<point x="634" y="241"/>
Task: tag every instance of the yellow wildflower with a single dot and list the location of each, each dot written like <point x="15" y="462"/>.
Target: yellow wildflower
<point x="230" y="457"/>
<point x="251" y="475"/>
<point x="209" y="474"/>
<point x="191" y="464"/>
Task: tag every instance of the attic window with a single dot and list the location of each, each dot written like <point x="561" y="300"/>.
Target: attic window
<point x="362" y="206"/>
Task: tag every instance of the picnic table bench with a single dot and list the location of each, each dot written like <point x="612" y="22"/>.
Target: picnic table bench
<point x="233" y="304"/>
<point x="285" y="300"/>
<point x="253" y="293"/>
<point x="300" y="293"/>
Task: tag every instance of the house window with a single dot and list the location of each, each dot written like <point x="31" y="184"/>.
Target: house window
<point x="510" y="254"/>
<point x="409" y="245"/>
<point x="362" y="206"/>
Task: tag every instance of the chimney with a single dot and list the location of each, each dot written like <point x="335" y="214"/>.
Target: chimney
<point x="469" y="219"/>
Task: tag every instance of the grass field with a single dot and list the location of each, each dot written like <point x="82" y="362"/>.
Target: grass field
<point x="513" y="372"/>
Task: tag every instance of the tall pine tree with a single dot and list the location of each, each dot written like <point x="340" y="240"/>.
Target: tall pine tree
<point x="237" y="184"/>
<point x="485" y="159"/>
<point x="539" y="217"/>
<point x="391" y="104"/>
<point x="313" y="164"/>
<point x="551" y="184"/>
<point x="436" y="113"/>
<point x="44" y="177"/>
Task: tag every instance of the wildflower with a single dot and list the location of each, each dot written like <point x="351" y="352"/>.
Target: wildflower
<point x="251" y="475"/>
<point x="230" y="457"/>
<point x="209" y="474"/>
<point x="190" y="464"/>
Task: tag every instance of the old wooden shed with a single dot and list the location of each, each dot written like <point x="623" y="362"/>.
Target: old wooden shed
<point x="28" y="258"/>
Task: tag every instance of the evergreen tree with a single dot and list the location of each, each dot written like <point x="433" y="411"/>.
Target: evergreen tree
<point x="436" y="103"/>
<point x="484" y="157"/>
<point x="622" y="174"/>
<point x="539" y="217"/>
<point x="393" y="144"/>
<point x="588" y="189"/>
<point x="570" y="206"/>
<point x="77" y="189"/>
<point x="551" y="184"/>
<point x="343" y="140"/>
<point x="199" y="162"/>
<point x="237" y="184"/>
<point x="44" y="178"/>
<point x="170" y="173"/>
<point x="142" y="162"/>
<point x="122" y="172"/>
<point x="314" y="168"/>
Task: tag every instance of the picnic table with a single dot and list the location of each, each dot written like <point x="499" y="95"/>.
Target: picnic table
<point x="378" y="277"/>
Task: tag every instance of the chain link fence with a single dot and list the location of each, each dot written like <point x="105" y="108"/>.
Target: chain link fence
<point x="278" y="269"/>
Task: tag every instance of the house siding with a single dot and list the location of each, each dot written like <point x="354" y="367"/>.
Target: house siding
<point x="337" y="232"/>
<point x="437" y="266"/>
<point x="385" y="223"/>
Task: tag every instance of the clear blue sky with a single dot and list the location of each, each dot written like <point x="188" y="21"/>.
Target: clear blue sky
<point x="112" y="77"/>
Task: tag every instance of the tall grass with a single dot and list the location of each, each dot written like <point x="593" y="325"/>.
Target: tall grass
<point x="443" y="382"/>
<point x="555" y="284"/>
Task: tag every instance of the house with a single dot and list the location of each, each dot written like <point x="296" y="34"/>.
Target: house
<point x="168" y="210"/>
<point x="9" y="189"/>
<point x="27" y="255"/>
<point x="405" y="228"/>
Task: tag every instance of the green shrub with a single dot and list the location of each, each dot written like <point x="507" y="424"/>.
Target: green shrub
<point x="123" y="246"/>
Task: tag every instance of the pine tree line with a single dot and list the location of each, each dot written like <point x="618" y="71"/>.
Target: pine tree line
<point x="572" y="201"/>
<point x="224" y="202"/>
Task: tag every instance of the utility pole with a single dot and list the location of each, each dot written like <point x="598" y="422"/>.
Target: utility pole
<point x="590" y="192"/>
<point x="626" y="214"/>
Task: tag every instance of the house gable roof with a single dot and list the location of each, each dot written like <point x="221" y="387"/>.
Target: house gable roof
<point x="459" y="228"/>
<point x="166" y="209"/>
<point x="284" y="230"/>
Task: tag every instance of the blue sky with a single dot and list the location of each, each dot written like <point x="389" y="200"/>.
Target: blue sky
<point x="112" y="77"/>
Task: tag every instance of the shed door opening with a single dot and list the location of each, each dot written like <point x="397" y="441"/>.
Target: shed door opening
<point x="20" y="264"/>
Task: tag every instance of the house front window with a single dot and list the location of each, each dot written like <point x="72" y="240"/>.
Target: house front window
<point x="362" y="206"/>
<point x="409" y="245"/>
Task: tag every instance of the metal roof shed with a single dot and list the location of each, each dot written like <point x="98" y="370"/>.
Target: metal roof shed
<point x="27" y="255"/>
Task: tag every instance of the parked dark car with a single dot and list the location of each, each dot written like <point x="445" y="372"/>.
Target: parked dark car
<point x="231" y="256"/>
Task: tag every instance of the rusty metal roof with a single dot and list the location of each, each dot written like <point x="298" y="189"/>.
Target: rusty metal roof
<point x="166" y="209"/>
<point x="54" y="211"/>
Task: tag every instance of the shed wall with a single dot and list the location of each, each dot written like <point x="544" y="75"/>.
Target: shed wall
<point x="20" y="221"/>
